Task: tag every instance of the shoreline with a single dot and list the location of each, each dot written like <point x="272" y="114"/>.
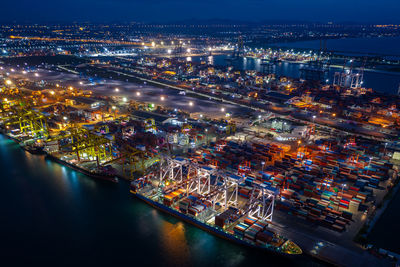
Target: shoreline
<point x="79" y="169"/>
<point x="320" y="258"/>
<point x="386" y="202"/>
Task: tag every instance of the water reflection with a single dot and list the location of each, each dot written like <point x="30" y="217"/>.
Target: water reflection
<point x="174" y="242"/>
<point x="49" y="207"/>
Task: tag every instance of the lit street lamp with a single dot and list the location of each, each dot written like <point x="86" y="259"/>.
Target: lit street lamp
<point x="343" y="186"/>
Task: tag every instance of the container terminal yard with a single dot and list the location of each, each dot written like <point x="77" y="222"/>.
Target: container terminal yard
<point x="291" y="167"/>
<point x="261" y="161"/>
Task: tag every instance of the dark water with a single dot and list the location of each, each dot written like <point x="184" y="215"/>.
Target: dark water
<point x="358" y="46"/>
<point x="385" y="82"/>
<point x="385" y="233"/>
<point x="54" y="216"/>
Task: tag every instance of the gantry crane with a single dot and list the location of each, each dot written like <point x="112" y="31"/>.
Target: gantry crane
<point x="230" y="128"/>
<point x="30" y="122"/>
<point x="89" y="146"/>
<point x="150" y="125"/>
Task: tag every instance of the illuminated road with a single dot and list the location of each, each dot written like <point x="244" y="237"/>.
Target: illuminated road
<point x="148" y="93"/>
<point x="209" y="105"/>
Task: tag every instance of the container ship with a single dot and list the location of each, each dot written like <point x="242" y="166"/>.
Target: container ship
<point x="97" y="174"/>
<point x="33" y="148"/>
<point x="213" y="205"/>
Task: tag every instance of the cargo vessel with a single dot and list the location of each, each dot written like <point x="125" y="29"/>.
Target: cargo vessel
<point x="33" y="149"/>
<point x="232" y="223"/>
<point x="94" y="174"/>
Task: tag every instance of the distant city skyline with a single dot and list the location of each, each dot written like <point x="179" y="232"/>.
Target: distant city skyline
<point x="384" y="11"/>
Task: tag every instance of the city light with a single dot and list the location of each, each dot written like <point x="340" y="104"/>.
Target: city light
<point x="256" y="104"/>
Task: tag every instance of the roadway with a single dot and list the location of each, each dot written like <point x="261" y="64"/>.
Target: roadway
<point x="295" y="114"/>
<point x="306" y="238"/>
<point x="190" y="103"/>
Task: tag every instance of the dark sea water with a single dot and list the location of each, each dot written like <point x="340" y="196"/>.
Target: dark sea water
<point x="385" y="234"/>
<point x="358" y="46"/>
<point x="52" y="216"/>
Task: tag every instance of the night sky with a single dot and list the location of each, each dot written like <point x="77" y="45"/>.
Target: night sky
<point x="176" y="10"/>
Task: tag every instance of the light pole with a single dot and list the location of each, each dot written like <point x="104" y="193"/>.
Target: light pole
<point x="114" y="109"/>
<point x="341" y="192"/>
<point x="343" y="186"/>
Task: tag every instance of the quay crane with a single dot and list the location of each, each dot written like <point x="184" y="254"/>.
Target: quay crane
<point x="89" y="146"/>
<point x="29" y="122"/>
<point x="216" y="186"/>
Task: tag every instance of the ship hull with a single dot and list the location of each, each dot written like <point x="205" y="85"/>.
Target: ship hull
<point x="105" y="177"/>
<point x="213" y="230"/>
<point x="34" y="150"/>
